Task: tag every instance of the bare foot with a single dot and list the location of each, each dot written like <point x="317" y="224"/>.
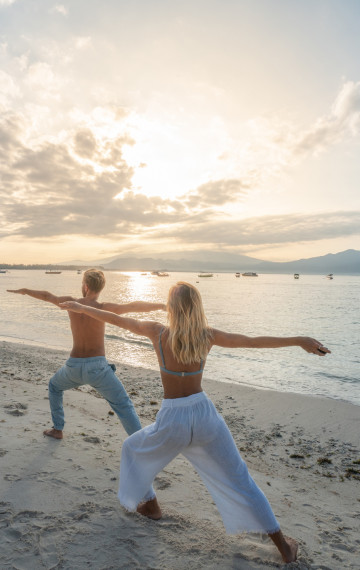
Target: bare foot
<point x="150" y="509"/>
<point x="291" y="554"/>
<point x="55" y="433"/>
<point x="287" y="546"/>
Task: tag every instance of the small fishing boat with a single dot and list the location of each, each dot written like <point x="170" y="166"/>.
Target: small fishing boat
<point x="52" y="272"/>
<point x="237" y="274"/>
<point x="296" y="275"/>
<point x="79" y="272"/>
<point x="250" y="274"/>
<point x="205" y="275"/>
<point x="330" y="276"/>
<point x="160" y="273"/>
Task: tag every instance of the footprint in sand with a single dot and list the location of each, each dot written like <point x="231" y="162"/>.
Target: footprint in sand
<point x="16" y="409"/>
<point x="161" y="483"/>
<point x="91" y="439"/>
<point x="10" y="477"/>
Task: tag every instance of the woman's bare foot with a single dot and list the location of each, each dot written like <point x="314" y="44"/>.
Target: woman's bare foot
<point x="150" y="509"/>
<point x="293" y="547"/>
<point x="287" y="546"/>
<point x="55" y="433"/>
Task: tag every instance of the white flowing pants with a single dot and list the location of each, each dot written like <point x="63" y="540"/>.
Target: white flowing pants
<point x="193" y="427"/>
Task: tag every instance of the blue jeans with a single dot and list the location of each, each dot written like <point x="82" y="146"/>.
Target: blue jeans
<point x="98" y="373"/>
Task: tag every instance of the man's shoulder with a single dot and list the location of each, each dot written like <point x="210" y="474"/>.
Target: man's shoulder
<point x="89" y="302"/>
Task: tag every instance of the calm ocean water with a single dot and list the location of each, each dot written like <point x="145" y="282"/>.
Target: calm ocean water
<point x="266" y="305"/>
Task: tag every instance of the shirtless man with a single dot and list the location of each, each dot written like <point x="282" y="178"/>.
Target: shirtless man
<point x="87" y="363"/>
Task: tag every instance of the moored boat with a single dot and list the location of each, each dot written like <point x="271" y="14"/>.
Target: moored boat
<point x="296" y="275"/>
<point x="160" y="273"/>
<point x="249" y="274"/>
<point x="52" y="272"/>
<point x="205" y="274"/>
<point x="237" y="274"/>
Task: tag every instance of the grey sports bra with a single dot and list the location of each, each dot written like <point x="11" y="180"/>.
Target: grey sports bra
<point x="173" y="372"/>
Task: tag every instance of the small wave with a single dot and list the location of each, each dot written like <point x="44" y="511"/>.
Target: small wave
<point x="128" y="340"/>
<point x="343" y="379"/>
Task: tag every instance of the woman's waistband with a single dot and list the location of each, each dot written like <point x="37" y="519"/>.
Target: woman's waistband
<point x="187" y="401"/>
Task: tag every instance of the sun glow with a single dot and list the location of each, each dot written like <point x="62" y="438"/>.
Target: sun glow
<point x="170" y="159"/>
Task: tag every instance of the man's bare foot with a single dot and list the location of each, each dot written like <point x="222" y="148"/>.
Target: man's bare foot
<point x="55" y="433"/>
<point x="150" y="509"/>
<point x="287" y="546"/>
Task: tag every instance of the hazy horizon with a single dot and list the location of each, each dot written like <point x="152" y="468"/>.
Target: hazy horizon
<point x="134" y="127"/>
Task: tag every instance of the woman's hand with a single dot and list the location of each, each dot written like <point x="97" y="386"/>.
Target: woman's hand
<point x="313" y="346"/>
<point x="72" y="306"/>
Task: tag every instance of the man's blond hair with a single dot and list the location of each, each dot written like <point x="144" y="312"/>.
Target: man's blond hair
<point x="94" y="279"/>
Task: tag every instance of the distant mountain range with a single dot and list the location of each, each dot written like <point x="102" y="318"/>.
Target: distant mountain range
<point x="346" y="262"/>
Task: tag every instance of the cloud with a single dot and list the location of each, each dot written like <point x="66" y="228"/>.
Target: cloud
<point x="268" y="230"/>
<point x="82" y="42"/>
<point x="76" y="186"/>
<point x="9" y="89"/>
<point x="41" y="77"/>
<point x="343" y="119"/>
<point x="61" y="9"/>
<point x="217" y="192"/>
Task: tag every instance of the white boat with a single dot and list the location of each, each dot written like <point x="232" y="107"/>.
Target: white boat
<point x="3" y="270"/>
<point x="205" y="275"/>
<point x="250" y="274"/>
<point x="160" y="273"/>
<point x="296" y="276"/>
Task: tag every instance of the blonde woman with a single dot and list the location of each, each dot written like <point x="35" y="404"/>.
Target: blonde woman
<point x="188" y="422"/>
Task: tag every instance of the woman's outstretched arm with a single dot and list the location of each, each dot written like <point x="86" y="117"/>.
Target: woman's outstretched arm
<point x="144" y="328"/>
<point x="231" y="340"/>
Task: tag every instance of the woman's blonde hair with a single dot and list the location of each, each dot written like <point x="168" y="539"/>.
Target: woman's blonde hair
<point x="189" y="334"/>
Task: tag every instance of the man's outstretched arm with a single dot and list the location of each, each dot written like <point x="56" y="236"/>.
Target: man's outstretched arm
<point x="134" y="307"/>
<point x="42" y="295"/>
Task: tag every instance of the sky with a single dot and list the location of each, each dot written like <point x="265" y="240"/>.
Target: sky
<point x="150" y="127"/>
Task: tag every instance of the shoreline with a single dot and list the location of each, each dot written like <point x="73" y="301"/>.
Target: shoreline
<point x="66" y="352"/>
<point x="58" y="499"/>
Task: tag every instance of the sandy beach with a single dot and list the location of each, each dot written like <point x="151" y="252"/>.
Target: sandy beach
<point x="58" y="503"/>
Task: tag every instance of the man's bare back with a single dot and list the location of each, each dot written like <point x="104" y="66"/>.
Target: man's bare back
<point x="88" y="334"/>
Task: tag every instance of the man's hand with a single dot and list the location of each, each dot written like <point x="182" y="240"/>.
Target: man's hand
<point x="313" y="346"/>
